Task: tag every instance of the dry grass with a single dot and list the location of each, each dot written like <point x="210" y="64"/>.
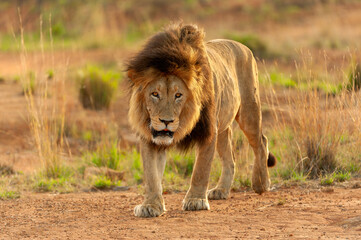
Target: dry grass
<point x="46" y="109"/>
<point x="312" y="124"/>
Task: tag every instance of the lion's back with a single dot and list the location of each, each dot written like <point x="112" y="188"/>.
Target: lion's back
<point x="228" y="50"/>
<point x="233" y="69"/>
<point x="231" y="62"/>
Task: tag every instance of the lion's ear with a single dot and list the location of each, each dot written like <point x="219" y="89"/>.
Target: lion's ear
<point x="192" y="35"/>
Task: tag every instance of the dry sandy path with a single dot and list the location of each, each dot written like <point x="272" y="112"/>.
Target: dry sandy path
<point x="285" y="214"/>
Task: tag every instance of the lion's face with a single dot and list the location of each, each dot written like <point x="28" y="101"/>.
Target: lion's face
<point x="164" y="100"/>
<point x="163" y="109"/>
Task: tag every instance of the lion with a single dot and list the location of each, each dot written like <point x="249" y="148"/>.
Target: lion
<point x="184" y="93"/>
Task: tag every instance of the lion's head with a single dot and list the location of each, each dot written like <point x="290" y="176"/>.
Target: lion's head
<point x="171" y="91"/>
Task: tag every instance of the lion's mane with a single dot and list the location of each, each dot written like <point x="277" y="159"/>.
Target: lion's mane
<point x="178" y="50"/>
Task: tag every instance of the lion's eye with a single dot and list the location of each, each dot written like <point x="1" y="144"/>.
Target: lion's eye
<point x="178" y="95"/>
<point x="155" y="94"/>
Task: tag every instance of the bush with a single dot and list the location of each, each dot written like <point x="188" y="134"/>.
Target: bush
<point x="321" y="158"/>
<point x="97" y="87"/>
<point x="257" y="46"/>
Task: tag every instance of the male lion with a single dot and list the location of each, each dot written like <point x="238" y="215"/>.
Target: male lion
<point x="185" y="92"/>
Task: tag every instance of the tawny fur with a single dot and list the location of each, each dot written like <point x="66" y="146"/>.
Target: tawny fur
<point x="219" y="84"/>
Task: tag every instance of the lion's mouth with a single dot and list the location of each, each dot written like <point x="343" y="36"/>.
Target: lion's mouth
<point x="163" y="133"/>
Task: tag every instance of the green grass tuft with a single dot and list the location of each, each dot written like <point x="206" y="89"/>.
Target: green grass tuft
<point x="281" y="80"/>
<point x="102" y="183"/>
<point x="342" y="176"/>
<point x="63" y="184"/>
<point x="298" y="177"/>
<point x="8" y="195"/>
<point x="97" y="87"/>
<point x="355" y="77"/>
<point x="327" y="180"/>
<point x="107" y="157"/>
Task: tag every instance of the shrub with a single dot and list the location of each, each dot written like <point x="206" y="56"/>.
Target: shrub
<point x="320" y="158"/>
<point x="253" y="42"/>
<point x="97" y="87"/>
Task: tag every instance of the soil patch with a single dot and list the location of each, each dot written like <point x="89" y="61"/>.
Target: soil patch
<point x="284" y="214"/>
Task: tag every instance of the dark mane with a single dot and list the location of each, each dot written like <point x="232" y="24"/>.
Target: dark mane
<point x="176" y="50"/>
<point x="202" y="132"/>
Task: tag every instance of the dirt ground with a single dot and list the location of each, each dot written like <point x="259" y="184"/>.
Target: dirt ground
<point x="293" y="213"/>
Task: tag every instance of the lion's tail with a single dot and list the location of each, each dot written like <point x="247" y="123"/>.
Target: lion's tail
<point x="271" y="161"/>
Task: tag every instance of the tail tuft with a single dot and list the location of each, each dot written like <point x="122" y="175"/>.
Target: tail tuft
<point x="271" y="162"/>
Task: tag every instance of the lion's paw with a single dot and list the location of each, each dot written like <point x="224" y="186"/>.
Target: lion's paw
<point x="195" y="204"/>
<point x="260" y="187"/>
<point x="218" y="194"/>
<point x="148" y="210"/>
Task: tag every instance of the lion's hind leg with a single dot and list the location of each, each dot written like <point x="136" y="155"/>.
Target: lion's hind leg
<point x="250" y="123"/>
<point x="224" y="148"/>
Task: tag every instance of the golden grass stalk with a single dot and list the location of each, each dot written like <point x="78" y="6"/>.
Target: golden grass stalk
<point x="46" y="108"/>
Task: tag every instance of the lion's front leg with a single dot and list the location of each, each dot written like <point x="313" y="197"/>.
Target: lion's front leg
<point x="196" y="197"/>
<point x="153" y="165"/>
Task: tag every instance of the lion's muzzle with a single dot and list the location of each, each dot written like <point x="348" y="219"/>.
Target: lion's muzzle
<point x="163" y="133"/>
<point x="164" y="137"/>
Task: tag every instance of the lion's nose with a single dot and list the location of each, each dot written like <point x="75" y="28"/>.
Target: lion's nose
<point x="166" y="122"/>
